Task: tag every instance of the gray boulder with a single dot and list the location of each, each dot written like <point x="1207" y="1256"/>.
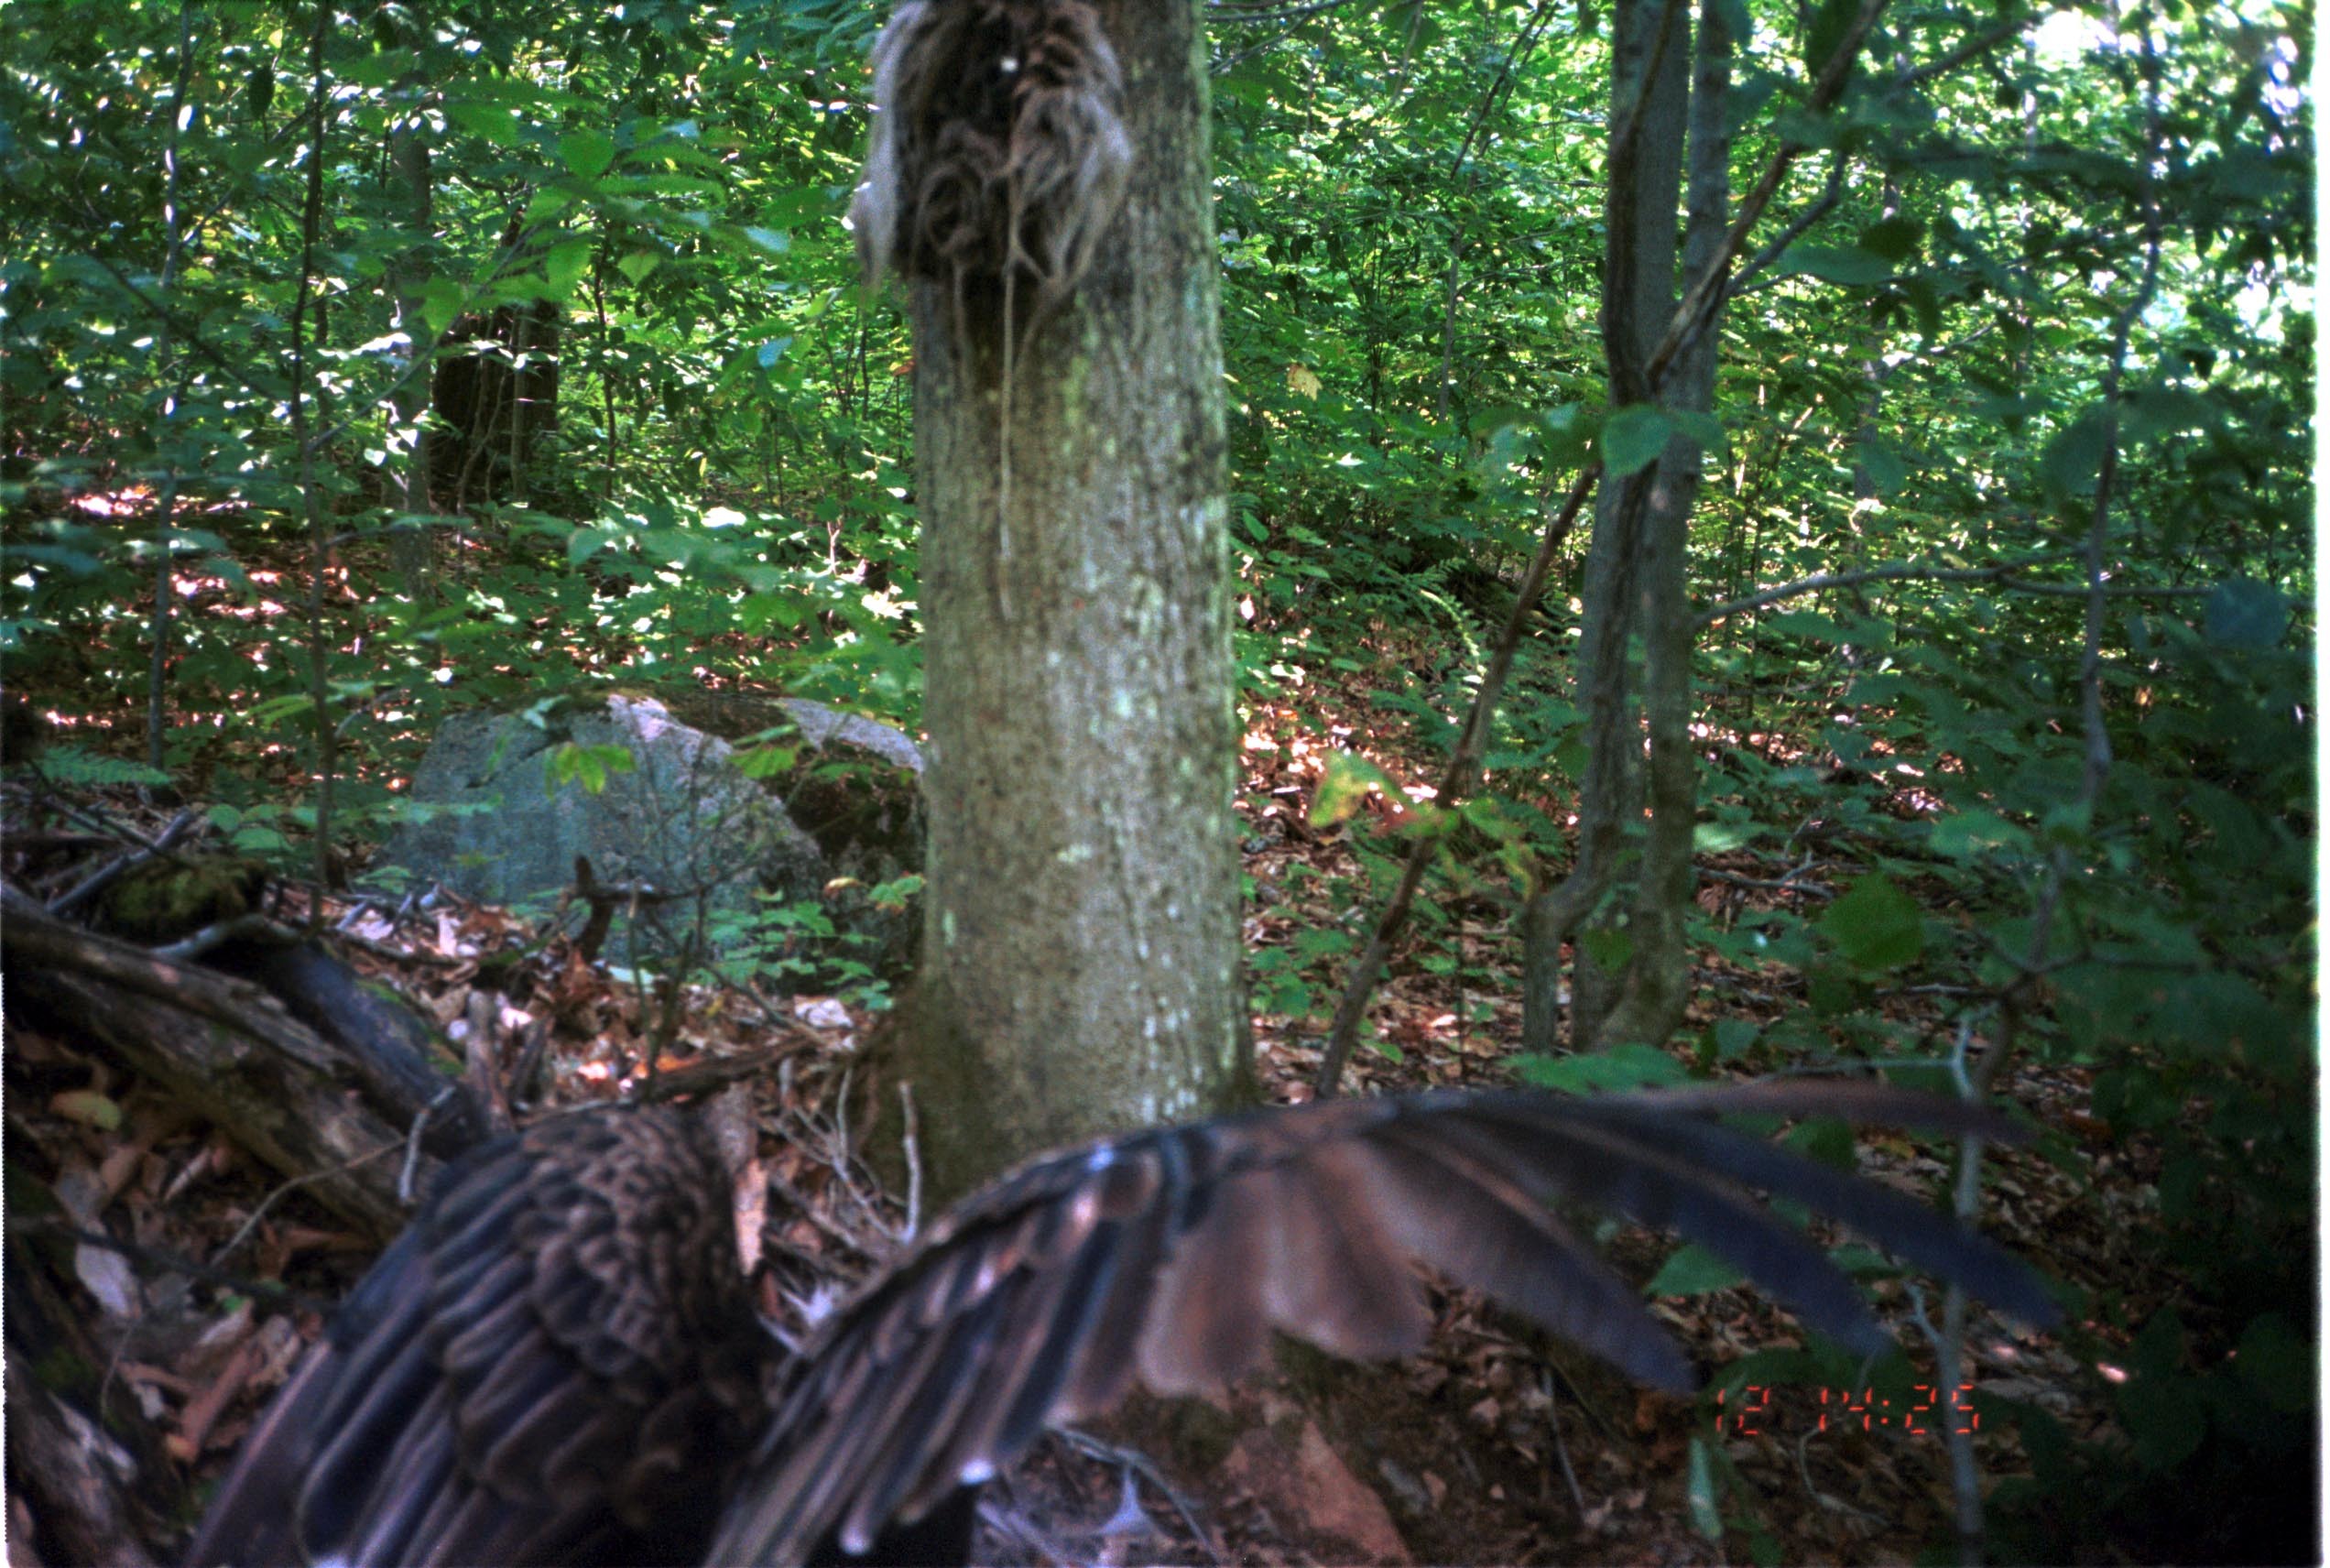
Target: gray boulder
<point x="685" y="821"/>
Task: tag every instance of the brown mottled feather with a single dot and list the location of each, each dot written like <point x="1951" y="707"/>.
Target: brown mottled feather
<point x="558" y="1363"/>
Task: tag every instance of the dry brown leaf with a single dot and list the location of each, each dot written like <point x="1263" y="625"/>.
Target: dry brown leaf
<point x="203" y="1411"/>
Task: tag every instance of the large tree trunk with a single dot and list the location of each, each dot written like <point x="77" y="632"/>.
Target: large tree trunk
<point x="1081" y="961"/>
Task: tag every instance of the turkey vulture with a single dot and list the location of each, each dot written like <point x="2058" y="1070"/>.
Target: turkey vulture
<point x="560" y="1361"/>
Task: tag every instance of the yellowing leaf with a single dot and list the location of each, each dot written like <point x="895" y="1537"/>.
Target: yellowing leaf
<point x="1345" y="785"/>
<point x="90" y="1108"/>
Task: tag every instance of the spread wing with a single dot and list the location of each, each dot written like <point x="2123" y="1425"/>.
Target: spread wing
<point x="558" y="1362"/>
<point x="1172" y="1255"/>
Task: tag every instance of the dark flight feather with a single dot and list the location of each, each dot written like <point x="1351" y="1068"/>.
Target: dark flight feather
<point x="560" y="1362"/>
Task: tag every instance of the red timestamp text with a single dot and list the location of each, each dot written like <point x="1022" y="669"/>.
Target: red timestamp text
<point x="1763" y="1409"/>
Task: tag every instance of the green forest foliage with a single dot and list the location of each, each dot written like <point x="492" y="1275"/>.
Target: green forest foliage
<point x="209" y="215"/>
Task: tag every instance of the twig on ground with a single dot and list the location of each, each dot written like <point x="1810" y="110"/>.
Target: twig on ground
<point x="1141" y="1465"/>
<point x="913" y="1164"/>
<point x="313" y="1177"/>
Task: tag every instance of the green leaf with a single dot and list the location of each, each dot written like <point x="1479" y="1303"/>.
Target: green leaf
<point x="280" y="709"/>
<point x="1884" y="469"/>
<point x="1706" y="1509"/>
<point x="1490" y="817"/>
<point x="2074" y="457"/>
<point x="1608" y="947"/>
<point x="547" y="203"/>
<point x="1969" y="835"/>
<point x="2279" y="1363"/>
<point x="378" y="69"/>
<point x="1831" y="990"/>
<point x="1602" y="1072"/>
<point x="2165" y="1418"/>
<point x="1847" y="265"/>
<point x="1315" y="942"/>
<point x="1875" y="925"/>
<point x="1289" y="994"/>
<point x="1894" y="239"/>
<point x="1825" y="1139"/>
<point x="442" y="300"/>
<point x="1568" y="434"/>
<point x="588" y="765"/>
<point x="495" y="123"/>
<point x="2245" y="613"/>
<point x="565" y="266"/>
<point x="587" y="153"/>
<point x="1808" y="624"/>
<point x="1702" y="430"/>
<point x="1633" y="437"/>
<point x="765" y="761"/>
<point x="1692" y="1270"/>
<point x="2151" y="411"/>
<point x="1829" y="26"/>
<point x="1735" y="1037"/>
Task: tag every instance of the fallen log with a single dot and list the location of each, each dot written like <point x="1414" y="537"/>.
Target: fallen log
<point x="335" y="1114"/>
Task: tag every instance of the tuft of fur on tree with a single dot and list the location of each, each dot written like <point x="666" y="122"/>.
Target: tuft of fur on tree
<point x="1000" y="154"/>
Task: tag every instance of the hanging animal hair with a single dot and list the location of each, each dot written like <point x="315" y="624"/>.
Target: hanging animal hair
<point x="1000" y="154"/>
<point x="999" y="159"/>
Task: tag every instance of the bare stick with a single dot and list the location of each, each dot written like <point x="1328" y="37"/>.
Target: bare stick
<point x="1831" y="193"/>
<point x="913" y="1164"/>
<point x="296" y="1182"/>
<point x="1698" y="306"/>
<point x="1890" y="571"/>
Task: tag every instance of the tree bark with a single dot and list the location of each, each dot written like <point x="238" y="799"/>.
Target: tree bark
<point x="1080" y="959"/>
<point x="1649" y="98"/>
<point x="411" y="185"/>
<point x="1651" y="1003"/>
<point x="1638" y="802"/>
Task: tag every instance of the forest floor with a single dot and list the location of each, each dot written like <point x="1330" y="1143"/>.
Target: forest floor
<point x="1496" y="1445"/>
